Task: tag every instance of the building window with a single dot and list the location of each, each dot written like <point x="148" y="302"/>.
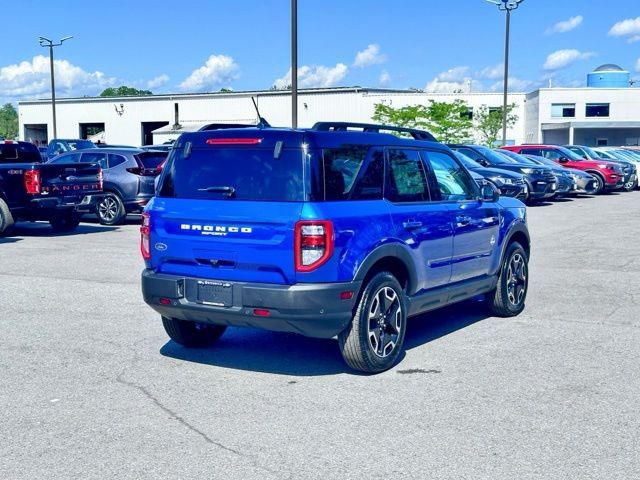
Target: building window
<point x="468" y="114"/>
<point x="563" y="110"/>
<point x="597" y="110"/>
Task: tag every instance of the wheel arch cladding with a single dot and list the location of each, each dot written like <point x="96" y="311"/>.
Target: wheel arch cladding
<point x="391" y="258"/>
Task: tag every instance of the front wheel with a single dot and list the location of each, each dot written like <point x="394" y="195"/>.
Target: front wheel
<point x="374" y="339"/>
<point x="65" y="222"/>
<point x="110" y="210"/>
<point x="598" y="186"/>
<point x="507" y="299"/>
<point x="192" y="334"/>
<point x="631" y="186"/>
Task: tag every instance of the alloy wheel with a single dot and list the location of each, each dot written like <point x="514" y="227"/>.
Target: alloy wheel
<point x="108" y="208"/>
<point x="516" y="280"/>
<point x="385" y="321"/>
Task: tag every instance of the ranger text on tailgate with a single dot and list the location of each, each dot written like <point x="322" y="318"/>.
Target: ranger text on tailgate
<point x="338" y="230"/>
<point x="30" y="190"/>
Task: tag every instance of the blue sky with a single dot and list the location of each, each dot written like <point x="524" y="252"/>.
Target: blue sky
<point x="201" y="45"/>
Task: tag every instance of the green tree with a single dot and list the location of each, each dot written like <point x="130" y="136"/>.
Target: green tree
<point x="488" y="123"/>
<point x="449" y="122"/>
<point x="8" y="121"/>
<point x="124" y="91"/>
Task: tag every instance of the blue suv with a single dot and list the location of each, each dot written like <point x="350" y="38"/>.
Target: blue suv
<point x="338" y="230"/>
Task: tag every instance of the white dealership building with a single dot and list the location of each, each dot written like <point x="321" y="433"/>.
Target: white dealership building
<point x="606" y="112"/>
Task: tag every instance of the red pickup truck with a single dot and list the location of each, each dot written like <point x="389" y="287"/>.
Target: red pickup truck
<point x="608" y="175"/>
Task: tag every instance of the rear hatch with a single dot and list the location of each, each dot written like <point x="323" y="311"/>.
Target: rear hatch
<point x="227" y="206"/>
<point x="149" y="167"/>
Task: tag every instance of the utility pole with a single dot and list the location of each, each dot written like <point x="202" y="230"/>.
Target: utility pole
<point x="45" y="42"/>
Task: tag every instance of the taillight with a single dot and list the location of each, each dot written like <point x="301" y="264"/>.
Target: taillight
<point x="145" y="234"/>
<point x="32" y="182"/>
<point x="313" y="244"/>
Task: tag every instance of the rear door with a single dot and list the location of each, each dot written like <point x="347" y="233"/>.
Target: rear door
<point x="475" y="222"/>
<point x="228" y="211"/>
<point x="422" y="225"/>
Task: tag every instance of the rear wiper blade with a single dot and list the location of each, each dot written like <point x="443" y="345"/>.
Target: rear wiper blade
<point x="227" y="191"/>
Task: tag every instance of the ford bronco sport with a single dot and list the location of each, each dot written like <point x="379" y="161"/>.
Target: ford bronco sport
<point x="338" y="230"/>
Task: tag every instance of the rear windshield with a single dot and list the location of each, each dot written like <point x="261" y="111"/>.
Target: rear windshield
<point x="234" y="174"/>
<point x="152" y="159"/>
<point x="19" y="153"/>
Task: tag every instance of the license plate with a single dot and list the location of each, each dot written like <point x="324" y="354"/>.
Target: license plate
<point x="219" y="294"/>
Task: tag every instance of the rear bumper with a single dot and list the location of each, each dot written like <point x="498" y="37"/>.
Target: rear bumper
<point x="85" y="205"/>
<point x="313" y="310"/>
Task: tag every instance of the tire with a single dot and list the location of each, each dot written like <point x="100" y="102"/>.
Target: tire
<point x="631" y="186"/>
<point x="508" y="298"/>
<point x="192" y="334"/>
<point x="110" y="209"/>
<point x="65" y="222"/>
<point x="6" y="219"/>
<point x="369" y="326"/>
<point x="599" y="188"/>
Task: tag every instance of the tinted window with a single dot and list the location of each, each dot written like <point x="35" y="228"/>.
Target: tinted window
<point x="454" y="183"/>
<point x="115" y="160"/>
<point x="69" y="158"/>
<point x="151" y="159"/>
<point x="99" y="158"/>
<point x="566" y="110"/>
<point x="248" y="173"/>
<point x="341" y="168"/>
<point x="466" y="161"/>
<point x="407" y="179"/>
<point x="19" y="152"/>
<point x="472" y="154"/>
<point x="531" y="151"/>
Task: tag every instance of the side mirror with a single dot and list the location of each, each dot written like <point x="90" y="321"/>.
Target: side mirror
<point x="563" y="160"/>
<point x="489" y="193"/>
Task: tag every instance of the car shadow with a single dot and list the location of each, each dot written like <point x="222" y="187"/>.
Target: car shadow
<point x="131" y="219"/>
<point x="562" y="200"/>
<point x="295" y="355"/>
<point x="43" y="229"/>
<point x="540" y="203"/>
<point x="9" y="240"/>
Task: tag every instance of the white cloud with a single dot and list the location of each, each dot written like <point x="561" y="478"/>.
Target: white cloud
<point x="315" y="76"/>
<point x="565" y="26"/>
<point x="218" y="70"/>
<point x="627" y="28"/>
<point x="30" y="79"/>
<point x="563" y="58"/>
<point x="492" y="73"/>
<point x="157" y="82"/>
<point x="454" y="79"/>
<point x="369" y="56"/>
<point x="385" y="79"/>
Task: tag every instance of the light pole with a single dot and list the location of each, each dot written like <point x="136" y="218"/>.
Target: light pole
<point x="45" y="42"/>
<point x="294" y="63"/>
<point x="506" y="6"/>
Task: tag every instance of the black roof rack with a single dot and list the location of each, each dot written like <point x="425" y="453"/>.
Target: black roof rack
<point x="222" y="126"/>
<point x="374" y="128"/>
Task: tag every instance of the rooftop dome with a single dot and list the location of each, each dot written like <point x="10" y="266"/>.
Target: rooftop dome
<point x="609" y="67"/>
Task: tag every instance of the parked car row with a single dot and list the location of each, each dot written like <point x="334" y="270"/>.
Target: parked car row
<point x="543" y="172"/>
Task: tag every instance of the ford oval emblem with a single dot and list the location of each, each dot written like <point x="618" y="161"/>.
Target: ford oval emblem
<point x="161" y="247"/>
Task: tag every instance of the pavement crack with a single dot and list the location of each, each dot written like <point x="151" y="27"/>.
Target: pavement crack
<point x="174" y="415"/>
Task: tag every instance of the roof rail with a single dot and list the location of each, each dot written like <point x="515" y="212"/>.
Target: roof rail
<point x="374" y="128"/>
<point x="222" y="126"/>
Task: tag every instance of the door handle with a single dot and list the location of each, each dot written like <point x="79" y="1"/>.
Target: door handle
<point x="463" y="220"/>
<point x="411" y="225"/>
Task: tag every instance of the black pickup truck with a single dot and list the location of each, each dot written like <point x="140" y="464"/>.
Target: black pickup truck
<point x="57" y="193"/>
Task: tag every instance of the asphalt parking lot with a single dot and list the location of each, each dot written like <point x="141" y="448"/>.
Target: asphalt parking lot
<point x="92" y="388"/>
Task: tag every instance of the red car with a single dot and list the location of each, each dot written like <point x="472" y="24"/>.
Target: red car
<point x="608" y="175"/>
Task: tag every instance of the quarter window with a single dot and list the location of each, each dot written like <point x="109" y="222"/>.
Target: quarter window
<point x="454" y="183"/>
<point x="407" y="179"/>
<point x="115" y="160"/>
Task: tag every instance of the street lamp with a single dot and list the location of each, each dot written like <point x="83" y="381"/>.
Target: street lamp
<point x="45" y="42"/>
<point x="294" y="63"/>
<point x="506" y="6"/>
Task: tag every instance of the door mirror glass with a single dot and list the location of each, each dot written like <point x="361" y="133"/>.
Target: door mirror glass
<point x="563" y="160"/>
<point x="489" y="193"/>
